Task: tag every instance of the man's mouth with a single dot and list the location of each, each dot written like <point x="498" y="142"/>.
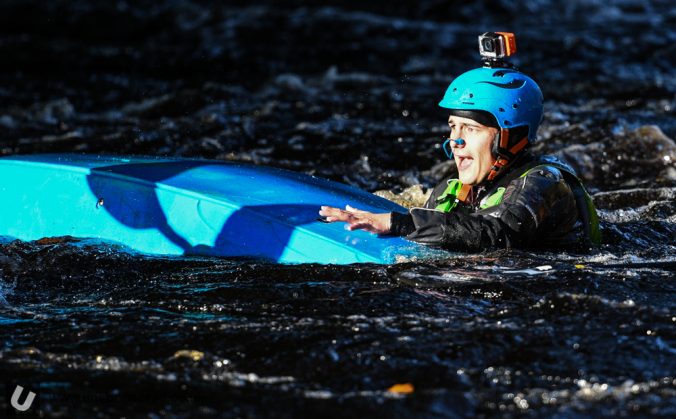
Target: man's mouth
<point x="464" y="162"/>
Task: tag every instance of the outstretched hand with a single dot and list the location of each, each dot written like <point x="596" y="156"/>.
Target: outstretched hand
<point x="357" y="219"/>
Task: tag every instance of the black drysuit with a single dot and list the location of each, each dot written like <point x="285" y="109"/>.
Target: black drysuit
<point x="544" y="205"/>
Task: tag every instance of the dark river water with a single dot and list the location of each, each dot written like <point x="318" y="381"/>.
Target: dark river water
<point x="346" y="91"/>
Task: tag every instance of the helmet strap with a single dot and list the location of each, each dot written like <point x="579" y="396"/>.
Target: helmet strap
<point x="505" y="152"/>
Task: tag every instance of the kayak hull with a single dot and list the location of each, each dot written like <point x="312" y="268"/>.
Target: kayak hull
<point x="166" y="206"/>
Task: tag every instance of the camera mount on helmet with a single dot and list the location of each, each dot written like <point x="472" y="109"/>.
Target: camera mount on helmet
<point x="494" y="47"/>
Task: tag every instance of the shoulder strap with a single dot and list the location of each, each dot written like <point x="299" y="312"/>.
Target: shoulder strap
<point x="585" y="205"/>
<point x="448" y="200"/>
<point x="494" y="199"/>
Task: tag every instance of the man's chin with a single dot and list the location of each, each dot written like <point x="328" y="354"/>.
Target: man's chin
<point x="466" y="180"/>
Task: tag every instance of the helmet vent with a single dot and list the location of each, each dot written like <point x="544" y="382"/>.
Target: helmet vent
<point x="501" y="73"/>
<point x="515" y="106"/>
<point x="501" y="109"/>
<point x="507" y="122"/>
<point x="471" y="95"/>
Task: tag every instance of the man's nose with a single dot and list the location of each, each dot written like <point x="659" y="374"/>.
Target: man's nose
<point x="458" y="142"/>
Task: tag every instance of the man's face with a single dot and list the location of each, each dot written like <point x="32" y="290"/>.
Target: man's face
<point x="474" y="159"/>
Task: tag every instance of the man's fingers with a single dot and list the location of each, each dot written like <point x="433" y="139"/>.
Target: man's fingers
<point x="354" y="210"/>
<point x="357" y="219"/>
<point x="335" y="214"/>
<point x="330" y="212"/>
<point x="324" y="210"/>
<point x="358" y="226"/>
<point x="361" y="224"/>
<point x="355" y="226"/>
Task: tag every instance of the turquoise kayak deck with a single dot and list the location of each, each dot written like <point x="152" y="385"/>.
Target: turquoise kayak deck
<point x="166" y="206"/>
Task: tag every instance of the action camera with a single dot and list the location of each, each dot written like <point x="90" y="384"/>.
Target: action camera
<point x="497" y="45"/>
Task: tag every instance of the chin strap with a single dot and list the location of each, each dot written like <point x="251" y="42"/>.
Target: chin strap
<point x="505" y="153"/>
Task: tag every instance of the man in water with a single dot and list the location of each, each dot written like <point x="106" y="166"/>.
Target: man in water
<point x="504" y="196"/>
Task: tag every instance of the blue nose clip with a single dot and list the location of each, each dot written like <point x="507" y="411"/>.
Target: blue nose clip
<point x="447" y="146"/>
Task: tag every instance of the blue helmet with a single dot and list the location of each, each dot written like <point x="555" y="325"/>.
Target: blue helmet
<point x="511" y="97"/>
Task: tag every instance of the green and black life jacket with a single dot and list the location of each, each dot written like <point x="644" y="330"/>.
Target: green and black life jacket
<point x="448" y="200"/>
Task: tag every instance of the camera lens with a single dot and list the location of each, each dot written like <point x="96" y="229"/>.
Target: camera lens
<point x="488" y="45"/>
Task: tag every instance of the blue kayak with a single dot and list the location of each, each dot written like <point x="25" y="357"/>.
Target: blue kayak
<point x="166" y="206"/>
